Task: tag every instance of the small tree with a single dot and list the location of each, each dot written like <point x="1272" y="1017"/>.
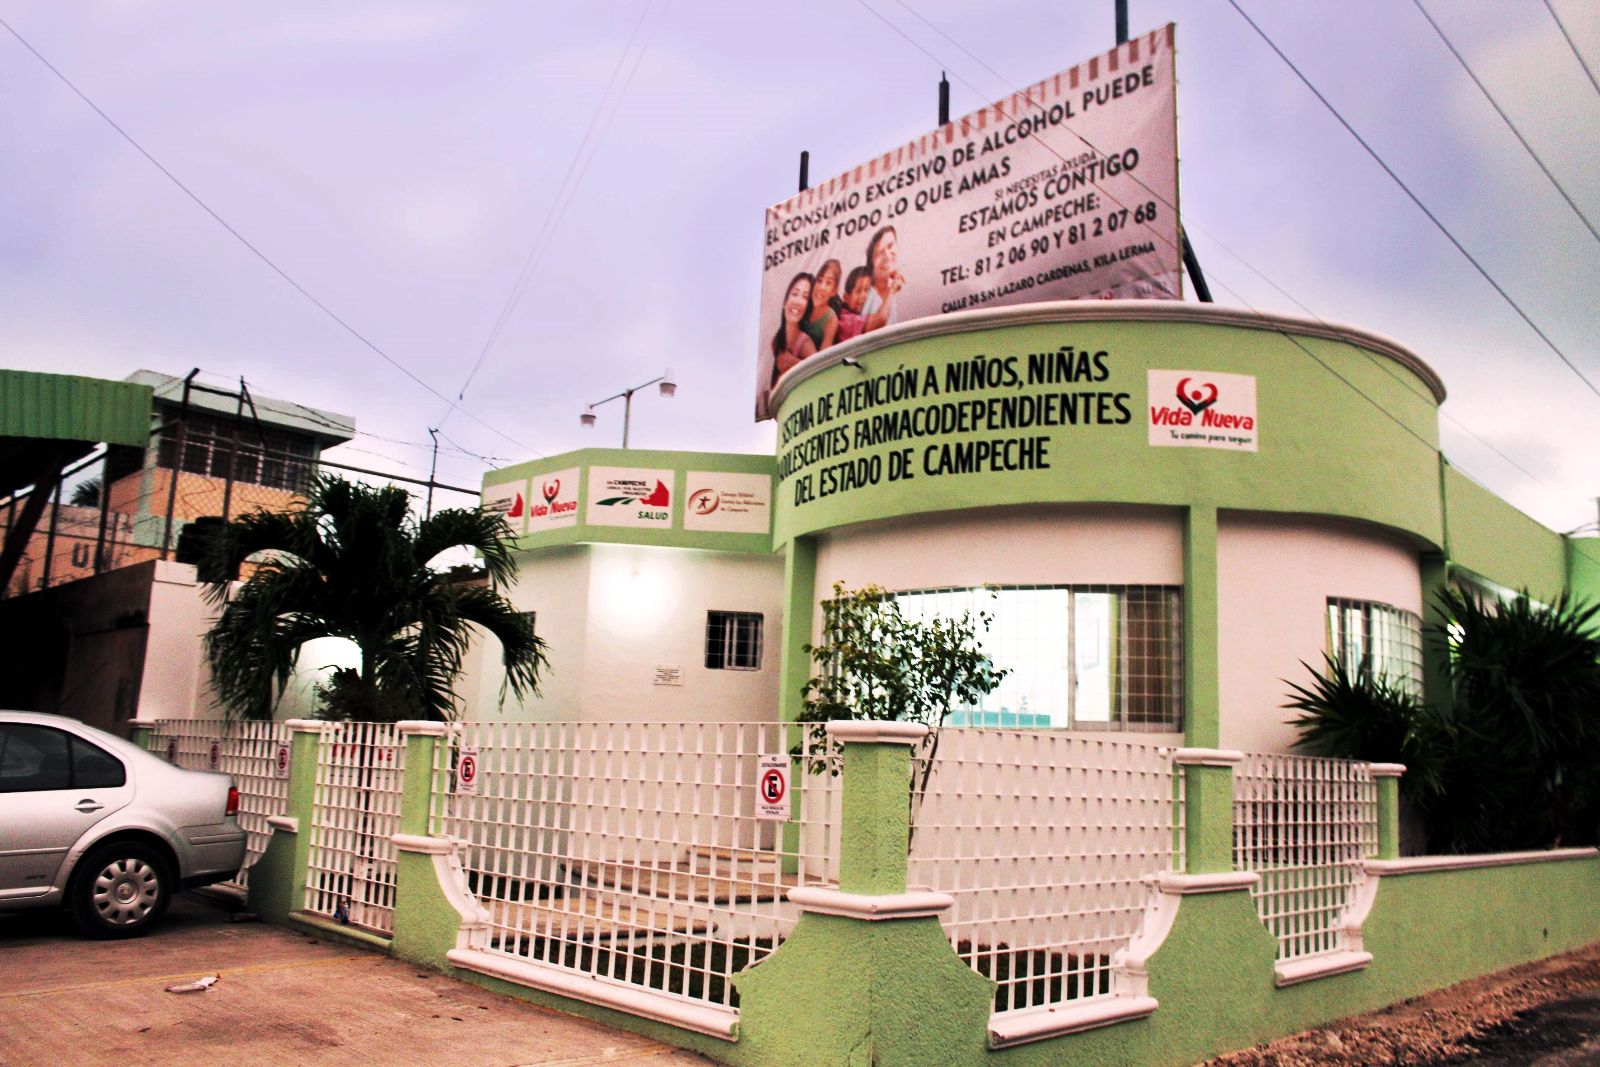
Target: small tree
<point x="873" y="663"/>
<point x="353" y="562"/>
<point x="1512" y="759"/>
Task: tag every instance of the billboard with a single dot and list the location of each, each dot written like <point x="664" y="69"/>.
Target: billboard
<point x="1066" y="190"/>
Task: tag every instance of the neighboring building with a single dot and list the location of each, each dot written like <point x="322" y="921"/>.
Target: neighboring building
<point x="106" y="628"/>
<point x="238" y="454"/>
<point x="1156" y="563"/>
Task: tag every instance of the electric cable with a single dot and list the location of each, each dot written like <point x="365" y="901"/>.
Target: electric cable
<point x="1442" y="228"/>
<point x="1380" y="363"/>
<point x="240" y="237"/>
<point x="1572" y="45"/>
<point x="1498" y="110"/>
<point x="564" y="193"/>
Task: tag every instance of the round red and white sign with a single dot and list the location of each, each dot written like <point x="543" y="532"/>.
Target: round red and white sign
<point x="467" y="773"/>
<point x="280" y="762"/>
<point x="774" y="786"/>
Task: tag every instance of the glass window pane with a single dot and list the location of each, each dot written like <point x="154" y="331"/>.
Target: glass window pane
<point x="33" y="758"/>
<point x="94" y="768"/>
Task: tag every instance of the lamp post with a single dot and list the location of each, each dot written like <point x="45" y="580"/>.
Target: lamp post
<point x="668" y="389"/>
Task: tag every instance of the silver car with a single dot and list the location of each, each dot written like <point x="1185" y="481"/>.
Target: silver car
<point x="95" y="823"/>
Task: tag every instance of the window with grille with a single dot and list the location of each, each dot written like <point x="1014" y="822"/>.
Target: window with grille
<point x="1106" y="657"/>
<point x="278" y="459"/>
<point x="1377" y="640"/>
<point x="733" y="641"/>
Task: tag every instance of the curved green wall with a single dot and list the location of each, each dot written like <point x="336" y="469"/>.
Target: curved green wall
<point x="1346" y="423"/>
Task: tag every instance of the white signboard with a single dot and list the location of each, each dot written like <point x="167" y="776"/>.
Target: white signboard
<point x="728" y="503"/>
<point x="508" y="500"/>
<point x="1065" y="190"/>
<point x="668" y="675"/>
<point x="214" y="754"/>
<point x="280" y="761"/>
<point x="467" y="772"/>
<point x="624" y="496"/>
<point x="1203" y="409"/>
<point x="772" y="789"/>
<point x="554" y="501"/>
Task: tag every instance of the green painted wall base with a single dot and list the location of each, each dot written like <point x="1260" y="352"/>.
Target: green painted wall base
<point x="272" y="878"/>
<point x="844" y="991"/>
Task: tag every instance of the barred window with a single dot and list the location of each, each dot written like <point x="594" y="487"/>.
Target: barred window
<point x="733" y="641"/>
<point x="278" y="459"/>
<point x="1366" y="637"/>
<point x="1107" y="657"/>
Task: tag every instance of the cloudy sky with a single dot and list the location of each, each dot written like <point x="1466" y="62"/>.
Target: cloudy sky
<point x="569" y="198"/>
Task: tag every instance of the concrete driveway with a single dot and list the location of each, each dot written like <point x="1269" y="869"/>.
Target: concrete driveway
<point x="284" y="997"/>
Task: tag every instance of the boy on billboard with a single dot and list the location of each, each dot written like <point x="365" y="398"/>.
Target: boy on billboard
<point x="883" y="264"/>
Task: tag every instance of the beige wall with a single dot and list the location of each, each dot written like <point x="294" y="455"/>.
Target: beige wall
<point x="1275" y="576"/>
<point x="611" y="614"/>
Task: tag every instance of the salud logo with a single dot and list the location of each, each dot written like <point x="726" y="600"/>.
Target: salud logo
<point x="1196" y="400"/>
<point x="659" y="498"/>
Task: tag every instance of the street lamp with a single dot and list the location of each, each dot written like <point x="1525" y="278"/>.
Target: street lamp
<point x="669" y="388"/>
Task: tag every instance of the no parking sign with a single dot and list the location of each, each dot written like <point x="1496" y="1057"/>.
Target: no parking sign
<point x="772" y="789"/>
<point x="467" y="772"/>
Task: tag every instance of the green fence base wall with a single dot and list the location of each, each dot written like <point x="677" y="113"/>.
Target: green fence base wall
<point x="272" y="878"/>
<point x="844" y="991"/>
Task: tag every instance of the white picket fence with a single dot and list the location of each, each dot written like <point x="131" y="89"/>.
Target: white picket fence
<point x="355" y="813"/>
<point x="1049" y="843"/>
<point x="1304" y="825"/>
<point x="246" y="749"/>
<point x="632" y="852"/>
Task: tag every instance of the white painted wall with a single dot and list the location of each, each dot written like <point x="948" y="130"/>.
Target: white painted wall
<point x="611" y="614"/>
<point x="1047" y="545"/>
<point x="647" y="607"/>
<point x="554" y="584"/>
<point x="177" y="682"/>
<point x="1275" y="575"/>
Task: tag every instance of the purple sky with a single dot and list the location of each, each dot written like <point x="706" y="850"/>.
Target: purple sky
<point x="401" y="160"/>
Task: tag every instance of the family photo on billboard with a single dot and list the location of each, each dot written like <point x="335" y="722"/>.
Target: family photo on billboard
<point x="1067" y="190"/>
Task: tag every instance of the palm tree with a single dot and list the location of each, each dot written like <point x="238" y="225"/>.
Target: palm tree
<point x="352" y="562"/>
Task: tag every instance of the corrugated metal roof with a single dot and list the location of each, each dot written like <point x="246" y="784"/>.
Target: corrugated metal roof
<point x="66" y="407"/>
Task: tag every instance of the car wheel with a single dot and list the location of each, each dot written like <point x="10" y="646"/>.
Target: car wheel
<point x="120" y="890"/>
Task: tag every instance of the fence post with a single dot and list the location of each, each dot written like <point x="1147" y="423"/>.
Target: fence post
<point x="868" y="975"/>
<point x="278" y="878"/>
<point x="432" y="905"/>
<point x="1208" y="808"/>
<point x="142" y="731"/>
<point x="1387" y="776"/>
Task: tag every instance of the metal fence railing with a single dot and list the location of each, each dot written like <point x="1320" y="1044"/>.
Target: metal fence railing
<point x="1048" y="843"/>
<point x="354" y="816"/>
<point x="246" y="749"/>
<point x="632" y="852"/>
<point x="1304" y="825"/>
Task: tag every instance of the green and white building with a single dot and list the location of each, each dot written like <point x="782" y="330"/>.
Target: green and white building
<point x="1168" y="509"/>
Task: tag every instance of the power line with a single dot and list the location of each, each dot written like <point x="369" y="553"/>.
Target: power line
<point x="565" y="193"/>
<point x="1417" y="201"/>
<point x="1380" y="363"/>
<point x="1572" y="45"/>
<point x="262" y="256"/>
<point x="1028" y="99"/>
<point x="1576" y="210"/>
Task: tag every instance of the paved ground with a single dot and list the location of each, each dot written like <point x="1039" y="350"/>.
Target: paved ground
<point x="284" y="997"/>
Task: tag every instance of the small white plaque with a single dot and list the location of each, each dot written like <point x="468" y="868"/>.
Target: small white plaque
<point x="668" y="674"/>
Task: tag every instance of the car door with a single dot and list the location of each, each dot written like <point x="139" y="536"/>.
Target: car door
<point x="54" y="788"/>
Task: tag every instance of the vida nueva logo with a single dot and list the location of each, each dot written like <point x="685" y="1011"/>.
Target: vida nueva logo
<point x="1202" y="409"/>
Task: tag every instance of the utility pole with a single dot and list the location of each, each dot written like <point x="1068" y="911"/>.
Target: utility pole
<point x="434" y="470"/>
<point x="177" y="463"/>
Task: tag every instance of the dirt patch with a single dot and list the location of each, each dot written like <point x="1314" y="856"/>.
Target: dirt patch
<point x="1530" y="1013"/>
